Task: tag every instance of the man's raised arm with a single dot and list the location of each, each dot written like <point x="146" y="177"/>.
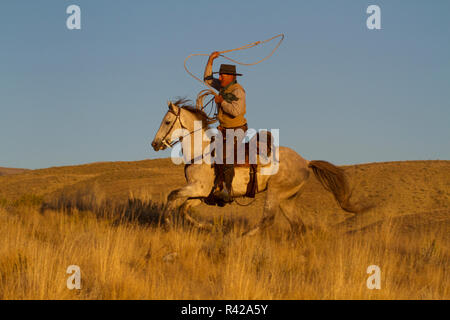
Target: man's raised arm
<point x="207" y="76"/>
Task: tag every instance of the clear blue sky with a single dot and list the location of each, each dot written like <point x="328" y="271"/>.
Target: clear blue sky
<point x="336" y="90"/>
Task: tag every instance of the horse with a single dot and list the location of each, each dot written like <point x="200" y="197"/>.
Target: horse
<point x="281" y="188"/>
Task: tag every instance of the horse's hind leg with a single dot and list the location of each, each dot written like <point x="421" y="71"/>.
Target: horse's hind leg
<point x="288" y="209"/>
<point x="284" y="199"/>
<point x="271" y="207"/>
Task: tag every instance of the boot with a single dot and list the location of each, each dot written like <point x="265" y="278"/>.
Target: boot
<point x="225" y="193"/>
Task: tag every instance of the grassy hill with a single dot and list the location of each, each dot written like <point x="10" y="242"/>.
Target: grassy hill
<point x="394" y="188"/>
<point x="7" y="171"/>
<point x="406" y="233"/>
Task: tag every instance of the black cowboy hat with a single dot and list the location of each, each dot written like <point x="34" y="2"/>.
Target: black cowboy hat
<point x="228" y="69"/>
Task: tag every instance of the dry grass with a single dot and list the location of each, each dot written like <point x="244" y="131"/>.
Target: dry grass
<point x="123" y="254"/>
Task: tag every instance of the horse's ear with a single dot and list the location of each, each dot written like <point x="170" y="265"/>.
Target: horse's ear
<point x="171" y="106"/>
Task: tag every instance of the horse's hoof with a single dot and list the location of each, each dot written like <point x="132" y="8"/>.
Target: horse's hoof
<point x="168" y="225"/>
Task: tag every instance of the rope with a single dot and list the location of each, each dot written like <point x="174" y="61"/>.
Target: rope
<point x="199" y="103"/>
<point x="247" y="46"/>
<point x="244" y="204"/>
<point x="211" y="91"/>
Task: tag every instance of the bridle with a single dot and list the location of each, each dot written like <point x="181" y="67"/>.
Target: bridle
<point x="177" y="117"/>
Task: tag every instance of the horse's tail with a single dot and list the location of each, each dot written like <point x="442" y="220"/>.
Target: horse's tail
<point x="333" y="179"/>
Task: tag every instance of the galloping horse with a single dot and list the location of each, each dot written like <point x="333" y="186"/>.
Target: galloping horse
<point x="281" y="188"/>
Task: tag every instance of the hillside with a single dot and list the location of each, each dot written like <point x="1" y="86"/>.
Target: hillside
<point x="8" y="171"/>
<point x="124" y="254"/>
<point x="393" y="188"/>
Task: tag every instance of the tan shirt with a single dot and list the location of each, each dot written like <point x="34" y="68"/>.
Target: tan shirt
<point x="235" y="108"/>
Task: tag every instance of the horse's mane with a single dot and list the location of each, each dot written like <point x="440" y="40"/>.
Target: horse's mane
<point x="187" y="105"/>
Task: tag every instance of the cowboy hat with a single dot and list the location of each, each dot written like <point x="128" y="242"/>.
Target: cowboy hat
<point x="228" y="69"/>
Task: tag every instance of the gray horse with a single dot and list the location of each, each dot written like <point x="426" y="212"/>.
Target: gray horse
<point x="281" y="188"/>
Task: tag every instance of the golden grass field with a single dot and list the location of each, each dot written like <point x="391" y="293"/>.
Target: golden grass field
<point x="102" y="217"/>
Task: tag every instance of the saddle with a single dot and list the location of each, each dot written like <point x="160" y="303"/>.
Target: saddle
<point x="257" y="146"/>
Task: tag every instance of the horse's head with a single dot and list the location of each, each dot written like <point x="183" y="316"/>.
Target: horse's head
<point x="169" y="124"/>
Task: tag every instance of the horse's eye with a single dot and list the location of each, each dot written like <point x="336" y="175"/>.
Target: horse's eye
<point x="167" y="122"/>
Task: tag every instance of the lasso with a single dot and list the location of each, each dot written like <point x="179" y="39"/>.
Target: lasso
<point x="211" y="91"/>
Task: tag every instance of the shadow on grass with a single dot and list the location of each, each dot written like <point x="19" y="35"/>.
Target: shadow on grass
<point x="133" y="210"/>
<point x="93" y="199"/>
<point x="147" y="212"/>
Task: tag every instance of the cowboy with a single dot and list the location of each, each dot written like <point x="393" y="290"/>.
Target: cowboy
<point x="231" y="110"/>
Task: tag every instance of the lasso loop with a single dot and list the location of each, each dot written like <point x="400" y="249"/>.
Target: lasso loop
<point x="211" y="91"/>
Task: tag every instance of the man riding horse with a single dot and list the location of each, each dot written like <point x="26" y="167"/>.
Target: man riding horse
<point x="282" y="178"/>
<point x="231" y="110"/>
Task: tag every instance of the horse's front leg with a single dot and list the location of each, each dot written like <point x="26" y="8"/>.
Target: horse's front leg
<point x="185" y="211"/>
<point x="175" y="201"/>
<point x="180" y="199"/>
<point x="200" y="180"/>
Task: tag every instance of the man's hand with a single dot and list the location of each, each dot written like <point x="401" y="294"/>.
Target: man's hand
<point x="214" y="55"/>
<point x="218" y="99"/>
